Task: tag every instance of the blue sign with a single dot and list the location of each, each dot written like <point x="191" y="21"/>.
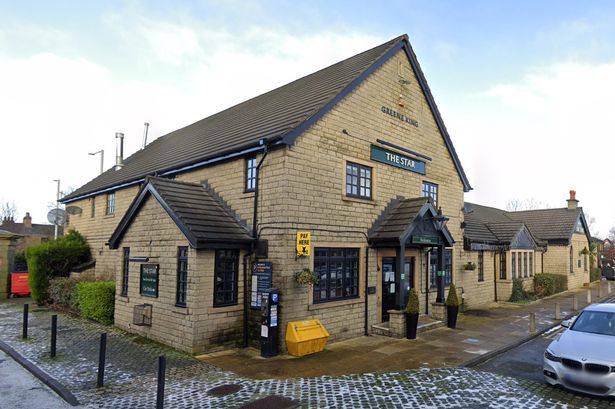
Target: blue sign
<point x="274" y="297"/>
<point x="397" y="159"/>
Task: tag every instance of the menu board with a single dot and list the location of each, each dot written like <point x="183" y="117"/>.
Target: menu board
<point x="262" y="273"/>
<point x="148" y="283"/>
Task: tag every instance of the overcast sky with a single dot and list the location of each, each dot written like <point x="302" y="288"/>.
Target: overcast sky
<point x="526" y="90"/>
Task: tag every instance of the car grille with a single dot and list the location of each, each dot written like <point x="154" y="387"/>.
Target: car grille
<point x="597" y="369"/>
<point x="572" y="364"/>
<point x="598" y="390"/>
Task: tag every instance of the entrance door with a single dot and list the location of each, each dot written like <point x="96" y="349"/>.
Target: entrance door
<point x="389" y="282"/>
<point x="388" y="286"/>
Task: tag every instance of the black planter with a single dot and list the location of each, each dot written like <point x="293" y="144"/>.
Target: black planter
<point x="451" y="316"/>
<point x="412" y="321"/>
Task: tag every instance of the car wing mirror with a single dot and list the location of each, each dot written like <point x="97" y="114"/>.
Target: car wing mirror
<point x="565" y="323"/>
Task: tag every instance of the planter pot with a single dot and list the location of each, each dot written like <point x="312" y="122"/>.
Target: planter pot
<point x="412" y="321"/>
<point x="451" y="316"/>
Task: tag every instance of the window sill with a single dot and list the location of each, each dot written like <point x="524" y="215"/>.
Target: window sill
<point x="333" y="304"/>
<point x="358" y="200"/>
<point x="109" y="216"/>
<point x="180" y="310"/>
<point x="123" y="298"/>
<point x="219" y="310"/>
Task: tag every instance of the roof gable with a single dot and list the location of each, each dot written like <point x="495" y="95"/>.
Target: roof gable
<point x="202" y="219"/>
<point x="279" y="117"/>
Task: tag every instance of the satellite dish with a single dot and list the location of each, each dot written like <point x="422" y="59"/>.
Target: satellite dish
<point x="74" y="210"/>
<point x="56" y="216"/>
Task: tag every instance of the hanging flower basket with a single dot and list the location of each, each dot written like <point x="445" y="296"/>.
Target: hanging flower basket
<point x="306" y="277"/>
<point x="469" y="266"/>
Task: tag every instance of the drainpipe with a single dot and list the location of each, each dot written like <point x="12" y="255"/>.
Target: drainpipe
<point x="366" y="324"/>
<point x="256" y="186"/>
<point x="427" y="278"/>
<point x="245" y="298"/>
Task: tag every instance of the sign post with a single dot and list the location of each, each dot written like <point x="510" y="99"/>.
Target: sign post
<point x="262" y="278"/>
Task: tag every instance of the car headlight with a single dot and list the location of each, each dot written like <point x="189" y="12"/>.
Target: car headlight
<point x="549" y="355"/>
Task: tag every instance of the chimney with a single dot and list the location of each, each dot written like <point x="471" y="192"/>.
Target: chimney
<point x="145" y="128"/>
<point x="27" y="221"/>
<point x="572" y="202"/>
<point x="119" y="150"/>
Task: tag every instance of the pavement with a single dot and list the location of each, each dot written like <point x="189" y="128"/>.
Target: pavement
<point x="383" y="375"/>
<point x="479" y="333"/>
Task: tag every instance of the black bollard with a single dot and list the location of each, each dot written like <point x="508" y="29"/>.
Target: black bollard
<point x="24" y="332"/>
<point x="162" y="366"/>
<point x="54" y="330"/>
<point x="101" y="360"/>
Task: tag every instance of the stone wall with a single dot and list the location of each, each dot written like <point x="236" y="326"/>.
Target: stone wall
<point x="7" y="256"/>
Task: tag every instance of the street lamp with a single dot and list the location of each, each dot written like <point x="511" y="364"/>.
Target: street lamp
<point x="439" y="221"/>
<point x="102" y="158"/>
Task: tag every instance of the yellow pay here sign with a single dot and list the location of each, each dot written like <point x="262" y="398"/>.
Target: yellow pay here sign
<point x="303" y="243"/>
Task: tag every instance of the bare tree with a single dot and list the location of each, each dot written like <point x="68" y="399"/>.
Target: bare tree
<point x="611" y="235"/>
<point x="591" y="223"/>
<point x="8" y="211"/>
<point x="515" y="205"/>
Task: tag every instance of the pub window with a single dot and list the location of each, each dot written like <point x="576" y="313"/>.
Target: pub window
<point x="502" y="266"/>
<point x="358" y="181"/>
<point x="513" y="264"/>
<point x="110" y="209"/>
<point x="585" y="262"/>
<point x="531" y="264"/>
<point x="182" y="276"/>
<point x="433" y="267"/>
<point x="520" y="264"/>
<point x="338" y="273"/>
<point x="251" y="174"/>
<point x="125" y="268"/>
<point x="431" y="190"/>
<point x="92" y="206"/>
<point x="481" y="266"/>
<point x="525" y="271"/>
<point x="225" y="277"/>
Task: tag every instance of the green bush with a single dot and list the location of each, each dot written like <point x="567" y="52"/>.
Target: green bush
<point x="595" y="274"/>
<point x="452" y="300"/>
<point x="518" y="292"/>
<point x="97" y="300"/>
<point x="20" y="263"/>
<point x="54" y="258"/>
<point x="549" y="284"/>
<point x="413" y="302"/>
<point x="63" y="293"/>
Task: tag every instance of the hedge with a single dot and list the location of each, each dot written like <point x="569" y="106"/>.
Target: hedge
<point x="595" y="274"/>
<point x="96" y="300"/>
<point x="63" y="293"/>
<point x="518" y="292"/>
<point x="54" y="258"/>
<point x="548" y="284"/>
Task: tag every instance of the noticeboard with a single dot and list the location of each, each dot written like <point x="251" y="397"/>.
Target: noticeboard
<point x="262" y="276"/>
<point x="148" y="282"/>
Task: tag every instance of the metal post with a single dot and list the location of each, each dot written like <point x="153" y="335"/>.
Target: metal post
<point x="162" y="366"/>
<point x="101" y="360"/>
<point x="532" y="322"/>
<point x="575" y="303"/>
<point x="54" y="330"/>
<point x="24" y="332"/>
<point x="55" y="231"/>
<point x="558" y="314"/>
<point x="589" y="296"/>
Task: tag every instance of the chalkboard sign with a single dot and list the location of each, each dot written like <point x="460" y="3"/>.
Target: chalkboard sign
<point x="148" y="284"/>
<point x="261" y="280"/>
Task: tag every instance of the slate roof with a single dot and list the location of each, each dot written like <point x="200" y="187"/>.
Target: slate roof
<point x="206" y="221"/>
<point x="36" y="229"/>
<point x="280" y="115"/>
<point x="485" y="224"/>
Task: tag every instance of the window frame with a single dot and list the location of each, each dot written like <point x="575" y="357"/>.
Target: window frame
<point x="181" y="287"/>
<point x="503" y="265"/>
<point x="93" y="207"/>
<point x="481" y="266"/>
<point x="531" y="263"/>
<point x="433" y="186"/>
<point x="369" y="180"/>
<point x="350" y="273"/>
<point x="226" y="255"/>
<point x="250" y="174"/>
<point x="125" y="271"/>
<point x="448" y="268"/>
<point x="110" y="204"/>
<point x="513" y="264"/>
<point x="571" y="260"/>
<point x="525" y="269"/>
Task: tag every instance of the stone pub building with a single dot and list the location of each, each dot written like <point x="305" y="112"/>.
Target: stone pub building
<point x="356" y="154"/>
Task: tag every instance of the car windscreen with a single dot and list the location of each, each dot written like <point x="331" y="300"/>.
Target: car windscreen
<point x="595" y="322"/>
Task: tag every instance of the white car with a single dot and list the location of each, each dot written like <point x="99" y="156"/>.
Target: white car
<point x="583" y="357"/>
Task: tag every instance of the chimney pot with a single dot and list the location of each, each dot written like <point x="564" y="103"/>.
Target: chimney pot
<point x="119" y="150"/>
<point x="572" y="202"/>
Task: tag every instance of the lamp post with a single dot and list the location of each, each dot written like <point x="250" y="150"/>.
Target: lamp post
<point x="102" y="158"/>
<point x="439" y="222"/>
<point x="55" y="230"/>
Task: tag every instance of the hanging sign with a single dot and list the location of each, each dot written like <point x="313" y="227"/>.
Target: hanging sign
<point x="262" y="275"/>
<point x="148" y="282"/>
<point x="397" y="159"/>
<point x="425" y="240"/>
<point x="303" y="243"/>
